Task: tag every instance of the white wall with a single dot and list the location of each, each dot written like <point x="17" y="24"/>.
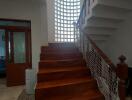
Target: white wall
<point x="81" y="2"/>
<point x="51" y="21"/>
<point x="121" y="42"/>
<point x="44" y="24"/>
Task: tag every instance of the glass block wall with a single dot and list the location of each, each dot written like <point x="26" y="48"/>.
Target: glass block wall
<point x="66" y="14"/>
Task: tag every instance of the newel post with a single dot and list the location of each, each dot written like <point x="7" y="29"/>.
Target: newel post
<point x="122" y="73"/>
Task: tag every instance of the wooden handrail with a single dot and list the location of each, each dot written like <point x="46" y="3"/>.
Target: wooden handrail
<point x="101" y="53"/>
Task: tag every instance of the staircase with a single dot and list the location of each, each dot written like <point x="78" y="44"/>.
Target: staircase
<point x="63" y="75"/>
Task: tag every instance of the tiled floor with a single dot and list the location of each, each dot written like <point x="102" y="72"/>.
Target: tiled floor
<point x="25" y="96"/>
<point x="9" y="93"/>
<point x="129" y="98"/>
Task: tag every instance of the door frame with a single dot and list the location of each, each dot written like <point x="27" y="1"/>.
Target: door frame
<point x="28" y="39"/>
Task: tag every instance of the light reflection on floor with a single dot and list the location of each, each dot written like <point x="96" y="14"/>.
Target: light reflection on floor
<point x="9" y="93"/>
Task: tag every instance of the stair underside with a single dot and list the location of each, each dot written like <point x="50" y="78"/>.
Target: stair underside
<point x="106" y="15"/>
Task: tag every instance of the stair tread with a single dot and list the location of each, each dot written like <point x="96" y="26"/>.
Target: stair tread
<point x="63" y="82"/>
<point x="55" y="53"/>
<point x="62" y="69"/>
<point x="85" y="95"/>
<point x="57" y="60"/>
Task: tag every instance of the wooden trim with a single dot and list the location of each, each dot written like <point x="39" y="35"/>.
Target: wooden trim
<point x="15" y="28"/>
<point x="12" y="47"/>
<point x="16" y="20"/>
<point x="27" y="39"/>
<point x="30" y="45"/>
<point x="101" y="53"/>
<point x="26" y="48"/>
<point x="122" y="73"/>
<point x="19" y="69"/>
<point x="6" y="45"/>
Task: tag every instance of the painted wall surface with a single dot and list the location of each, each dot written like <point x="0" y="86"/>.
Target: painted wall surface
<point x="44" y="24"/>
<point x="81" y="2"/>
<point x="121" y="42"/>
<point x="51" y="21"/>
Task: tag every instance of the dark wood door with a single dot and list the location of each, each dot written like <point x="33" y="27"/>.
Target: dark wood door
<point x="18" y="54"/>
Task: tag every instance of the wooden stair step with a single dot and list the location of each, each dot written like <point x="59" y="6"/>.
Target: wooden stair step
<point x="61" y="53"/>
<point x="64" y="82"/>
<point x="86" y="95"/>
<point x="65" y="87"/>
<point x="62" y="45"/>
<point x="61" y="63"/>
<point x="60" y="49"/>
<point x="59" y="56"/>
<point x="62" y="69"/>
<point x="62" y="73"/>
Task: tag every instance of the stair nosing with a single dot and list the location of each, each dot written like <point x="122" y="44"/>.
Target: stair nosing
<point x="61" y="60"/>
<point x="97" y="92"/>
<point x="63" y="70"/>
<point x="87" y="79"/>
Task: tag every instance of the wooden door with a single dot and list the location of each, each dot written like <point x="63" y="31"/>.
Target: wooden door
<point x="18" y="54"/>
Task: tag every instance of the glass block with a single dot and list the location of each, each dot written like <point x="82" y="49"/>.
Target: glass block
<point x="66" y="12"/>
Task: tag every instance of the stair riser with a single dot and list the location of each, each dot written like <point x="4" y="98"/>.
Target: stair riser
<point x="84" y="98"/>
<point x="101" y="97"/>
<point x="62" y="50"/>
<point x="62" y="64"/>
<point x="61" y="54"/>
<point x="65" y="90"/>
<point x="61" y="45"/>
<point x="56" y="46"/>
<point x="59" y="57"/>
<point x="98" y="98"/>
<point x="62" y="75"/>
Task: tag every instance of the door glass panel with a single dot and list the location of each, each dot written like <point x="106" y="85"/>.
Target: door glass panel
<point x="19" y="47"/>
<point x="2" y="44"/>
<point x="9" y="48"/>
<point x="2" y="51"/>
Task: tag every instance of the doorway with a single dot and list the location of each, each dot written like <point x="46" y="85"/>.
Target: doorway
<point x="15" y="50"/>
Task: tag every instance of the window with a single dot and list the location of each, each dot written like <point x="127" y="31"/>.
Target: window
<point x="66" y="13"/>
